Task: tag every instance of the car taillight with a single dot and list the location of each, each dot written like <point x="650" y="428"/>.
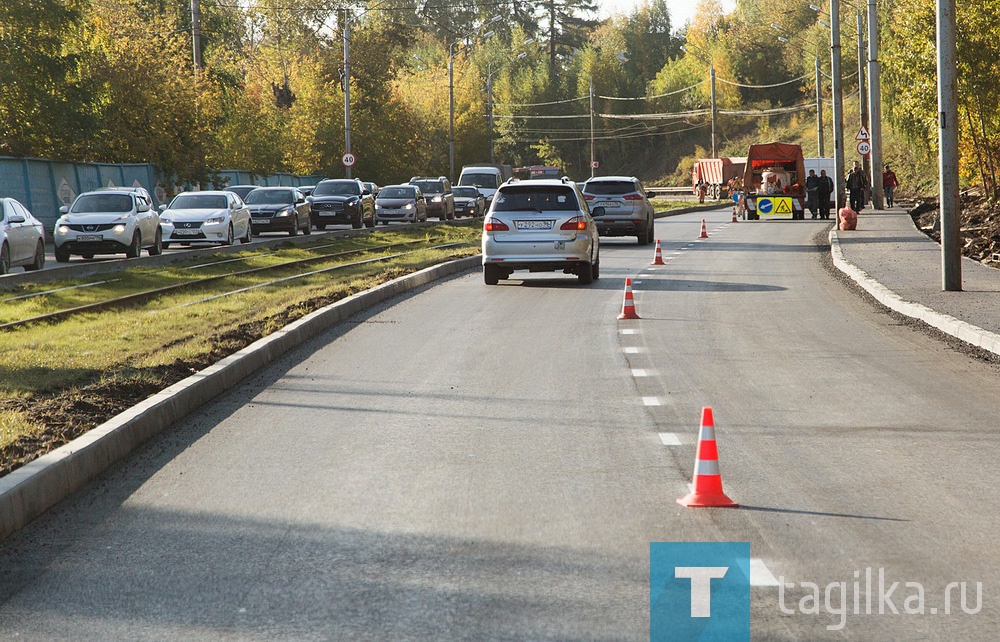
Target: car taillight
<point x="633" y="197"/>
<point x="575" y="223"/>
<point x="589" y="197"/>
<point x="493" y="225"/>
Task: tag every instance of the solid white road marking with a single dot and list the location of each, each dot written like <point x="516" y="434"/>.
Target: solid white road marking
<point x="650" y="401"/>
<point x="630" y="350"/>
<point x="759" y="573"/>
<point x="636" y="282"/>
<point x="639" y="372"/>
<point x="629" y="331"/>
<point x="669" y="439"/>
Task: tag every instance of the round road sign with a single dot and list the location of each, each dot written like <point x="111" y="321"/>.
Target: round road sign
<point x="864" y="147"/>
<point x="595" y="164"/>
<point x="348" y="159"/>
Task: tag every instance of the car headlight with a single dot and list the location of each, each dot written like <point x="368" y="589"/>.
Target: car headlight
<point x="437" y="199"/>
<point x="167" y="220"/>
<point x="119" y="229"/>
<point x="63" y="230"/>
<point x="215" y="220"/>
<point x="286" y="212"/>
<point x="408" y="206"/>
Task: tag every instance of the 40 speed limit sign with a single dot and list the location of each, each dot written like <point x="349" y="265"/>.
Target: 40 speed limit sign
<point x="864" y="147"/>
<point x="348" y="159"/>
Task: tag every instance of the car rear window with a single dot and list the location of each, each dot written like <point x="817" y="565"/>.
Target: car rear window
<point x="610" y="188"/>
<point x="526" y="197"/>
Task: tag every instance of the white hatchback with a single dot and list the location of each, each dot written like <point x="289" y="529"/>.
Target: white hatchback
<point x="205" y="217"/>
<point x="540" y="226"/>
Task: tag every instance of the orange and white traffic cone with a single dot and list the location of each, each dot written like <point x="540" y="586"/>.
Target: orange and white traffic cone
<point x="628" y="306"/>
<point x="704" y="232"/>
<point x="706" y="490"/>
<point x="658" y="255"/>
<point x="734" y="214"/>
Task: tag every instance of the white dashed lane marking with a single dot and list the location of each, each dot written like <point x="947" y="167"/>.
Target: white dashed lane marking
<point x="630" y="350"/>
<point x="629" y="331"/>
<point x="669" y="439"/>
<point x="640" y="372"/>
<point x="759" y="573"/>
<point x="650" y="401"/>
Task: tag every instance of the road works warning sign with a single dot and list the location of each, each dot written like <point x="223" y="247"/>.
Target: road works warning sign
<point x="775" y="206"/>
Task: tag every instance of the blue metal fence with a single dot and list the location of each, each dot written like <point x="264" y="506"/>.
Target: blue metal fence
<point x="45" y="185"/>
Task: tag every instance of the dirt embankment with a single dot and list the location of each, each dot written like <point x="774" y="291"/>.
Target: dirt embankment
<point x="980" y="223"/>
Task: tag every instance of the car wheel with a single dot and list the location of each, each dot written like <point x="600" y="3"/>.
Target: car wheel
<point x="157" y="247"/>
<point x="370" y="223"/>
<point x="133" y="250"/>
<point x="321" y="226"/>
<point x="357" y="223"/>
<point x="39" y="262"/>
<point x="61" y="257"/>
<point x="643" y="236"/>
<point x="586" y="274"/>
<point x="308" y="229"/>
<point x="491" y="274"/>
<point x="294" y="229"/>
<point x="246" y="237"/>
<point x="4" y="259"/>
<point x="595" y="268"/>
<point x="229" y="235"/>
<point x="166" y="246"/>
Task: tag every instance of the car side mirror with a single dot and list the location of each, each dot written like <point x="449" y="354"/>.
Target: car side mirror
<point x="366" y="192"/>
<point x="650" y="195"/>
<point x="163" y="207"/>
<point x="63" y="209"/>
<point x="144" y="207"/>
<point x="16" y="218"/>
<point x="300" y="201"/>
<point x="597" y="211"/>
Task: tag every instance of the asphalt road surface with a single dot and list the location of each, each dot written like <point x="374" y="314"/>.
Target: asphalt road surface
<point x="480" y="462"/>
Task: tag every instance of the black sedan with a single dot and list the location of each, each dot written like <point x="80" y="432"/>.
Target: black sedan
<point x="342" y="200"/>
<point x="469" y="201"/>
<point x="278" y="209"/>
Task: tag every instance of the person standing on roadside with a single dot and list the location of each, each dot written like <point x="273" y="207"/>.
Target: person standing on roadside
<point x="857" y="185"/>
<point x="823" y="194"/>
<point x="889" y="184"/>
<point x="812" y="192"/>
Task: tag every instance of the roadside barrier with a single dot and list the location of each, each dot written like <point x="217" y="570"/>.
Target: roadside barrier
<point x="706" y="489"/>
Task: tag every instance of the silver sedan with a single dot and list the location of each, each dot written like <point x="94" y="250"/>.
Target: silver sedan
<point x="22" y="237"/>
<point x="205" y="217"/>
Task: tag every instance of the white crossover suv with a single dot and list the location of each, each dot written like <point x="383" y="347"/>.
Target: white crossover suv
<point x="540" y="226"/>
<point x="108" y="221"/>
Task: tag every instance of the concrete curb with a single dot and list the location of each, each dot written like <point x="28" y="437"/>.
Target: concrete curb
<point x="32" y="489"/>
<point x="971" y="334"/>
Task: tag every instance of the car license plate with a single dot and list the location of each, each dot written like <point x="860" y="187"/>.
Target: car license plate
<point x="187" y="232"/>
<point x="90" y="238"/>
<point x="607" y="204"/>
<point x="260" y="221"/>
<point x="533" y="225"/>
<point x="328" y="213"/>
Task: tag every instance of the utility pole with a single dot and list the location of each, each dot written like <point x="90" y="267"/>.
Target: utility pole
<point x="712" y="70"/>
<point x="489" y="101"/>
<point x="593" y="159"/>
<point x="819" y="108"/>
<point x="347" y="88"/>
<point x="838" y="106"/>
<point x="875" y="107"/>
<point x="865" y="161"/>
<point x="951" y="204"/>
<point x="196" y="34"/>
<point x="451" y="112"/>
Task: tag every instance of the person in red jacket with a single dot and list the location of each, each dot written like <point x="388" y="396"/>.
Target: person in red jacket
<point x="889" y="184"/>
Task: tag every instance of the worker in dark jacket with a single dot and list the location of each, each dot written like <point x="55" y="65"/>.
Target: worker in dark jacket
<point x="857" y="186"/>
<point x="812" y="192"/>
<point x="825" y="190"/>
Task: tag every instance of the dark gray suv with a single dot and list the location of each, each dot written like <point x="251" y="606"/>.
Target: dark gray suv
<point x="437" y="191"/>
<point x="627" y="210"/>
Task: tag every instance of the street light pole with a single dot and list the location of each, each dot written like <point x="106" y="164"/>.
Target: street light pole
<point x="875" y="107"/>
<point x="838" y="106"/>
<point x="593" y="158"/>
<point x="714" y="154"/>
<point x="951" y="205"/>
<point x="819" y="108"/>
<point x="863" y="107"/>
<point x="347" y="89"/>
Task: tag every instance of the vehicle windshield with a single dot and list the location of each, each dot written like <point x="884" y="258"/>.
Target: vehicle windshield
<point x="430" y="187"/>
<point x="489" y="181"/>
<point x="92" y="203"/>
<point x="466" y="192"/>
<point x="526" y="197"/>
<point x="397" y="192"/>
<point x="199" y="202"/>
<point x="337" y="188"/>
<point x="610" y="188"/>
<point x="270" y="197"/>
